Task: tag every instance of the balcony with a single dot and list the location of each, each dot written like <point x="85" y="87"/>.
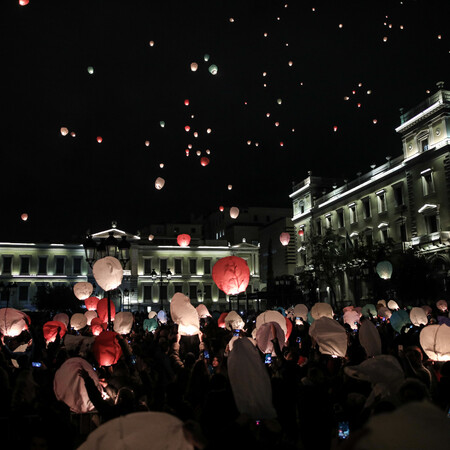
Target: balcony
<point x="432" y="240"/>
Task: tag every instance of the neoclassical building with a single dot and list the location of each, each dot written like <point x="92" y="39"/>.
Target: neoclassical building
<point x="406" y="199"/>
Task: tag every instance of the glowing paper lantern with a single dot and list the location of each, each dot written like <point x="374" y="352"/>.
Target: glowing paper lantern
<point x="62" y="317"/>
<point x="70" y="388"/>
<point x="99" y="139"/>
<point x="206" y="57"/>
<point x="152" y="314"/>
<point x="150" y="325"/>
<point x="301" y="233"/>
<point x="159" y="183"/>
<point x="330" y="335"/>
<point x="162" y="316"/>
<point x="418" y="317"/>
<point x="381" y="303"/>
<point x="272" y="317"/>
<point x="221" y="208"/>
<point x="91" y="303"/>
<point x="139" y="430"/>
<point x="399" y="319"/>
<point x="72" y="134"/>
<point x="102" y="310"/>
<point x="221" y="320"/>
<point x="384" y="270"/>
<point x="264" y="337"/>
<point x="187" y="128"/>
<point x="321" y="310"/>
<point x="393" y="305"/>
<point x="194" y="66"/>
<point x="202" y="311"/>
<point x="123" y="322"/>
<point x="24" y="217"/>
<point x="13" y="322"/>
<point x="384" y="312"/>
<point x="351" y="318"/>
<point x="184" y="314"/>
<point x="151" y="43"/>
<point x="435" y="341"/>
<point x="230" y="186"/>
<point x="233" y="321"/>
<point x="213" y="69"/>
<point x="89" y="316"/>
<point x="442" y="305"/>
<point x="301" y="311"/>
<point x="147" y="143"/>
<point x="234" y="212"/>
<point x="106" y="348"/>
<point x="369" y="338"/>
<point x="108" y="273"/>
<point x="369" y="310"/>
<point x="96" y="326"/>
<point x="252" y="393"/>
<point x="24" y="2"/>
<point x="50" y="330"/>
<point x="285" y="238"/>
<point x="204" y="161"/>
<point x="198" y="152"/>
<point x="82" y="290"/>
<point x="151" y="237"/>
<point x="64" y="131"/>
<point x="78" y="321"/>
<point x="186" y="102"/>
<point x="231" y="274"/>
<point x="183" y="240"/>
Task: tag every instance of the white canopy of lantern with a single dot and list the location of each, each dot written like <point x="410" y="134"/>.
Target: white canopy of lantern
<point x="234" y="321"/>
<point x="352" y="318"/>
<point x="12" y="322"/>
<point x="62" y="317"/>
<point x="381" y="303"/>
<point x="152" y="314"/>
<point x="442" y="305"/>
<point x="435" y="341"/>
<point x="321" y="310"/>
<point x="272" y="316"/>
<point x="264" y="336"/>
<point x="83" y="290"/>
<point x="369" y="338"/>
<point x="202" y="311"/>
<point x="330" y="335"/>
<point x="108" y="273"/>
<point x="418" y="316"/>
<point x="69" y="387"/>
<point x="184" y="314"/>
<point x="123" y="322"/>
<point x="234" y="212"/>
<point x="301" y="311"/>
<point x="89" y="316"/>
<point x="252" y="392"/>
<point x="78" y="321"/>
<point x="393" y="305"/>
<point x="159" y="183"/>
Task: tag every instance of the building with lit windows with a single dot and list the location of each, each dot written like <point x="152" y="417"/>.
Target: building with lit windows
<point x="406" y="199"/>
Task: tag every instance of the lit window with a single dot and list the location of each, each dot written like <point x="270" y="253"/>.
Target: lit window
<point x="328" y="221"/>
<point x="382" y="205"/>
<point x="366" y="208"/>
<point x="427" y="182"/>
<point x="353" y="214"/>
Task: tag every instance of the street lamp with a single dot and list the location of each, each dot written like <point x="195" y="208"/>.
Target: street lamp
<point x="162" y="278"/>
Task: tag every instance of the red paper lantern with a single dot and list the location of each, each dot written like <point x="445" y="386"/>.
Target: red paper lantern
<point x="187" y="152"/>
<point x="221" y="208"/>
<point x="187" y="128"/>
<point x="204" y="161"/>
<point x="231" y="275"/>
<point x="50" y="330"/>
<point x="285" y="238"/>
<point x="106" y="348"/>
<point x="301" y="232"/>
<point x="183" y="240"/>
<point x="97" y="326"/>
<point x="289" y="328"/>
<point x="221" y="320"/>
<point x="102" y="310"/>
<point x="99" y="139"/>
<point x="24" y="2"/>
<point x="91" y="303"/>
<point x="186" y="102"/>
<point x="24" y="217"/>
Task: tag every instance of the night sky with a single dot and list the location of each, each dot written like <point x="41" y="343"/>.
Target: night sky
<point x="69" y="184"/>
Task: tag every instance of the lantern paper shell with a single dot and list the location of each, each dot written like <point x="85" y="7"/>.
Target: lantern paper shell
<point x="231" y="274"/>
<point x="427" y="309"/>
<point x="264" y="337"/>
<point x="393" y="305"/>
<point x="151" y="314"/>
<point x="418" y="317"/>
<point x="78" y="321"/>
<point x="24" y="217"/>
<point x="330" y="335"/>
<point x="252" y="393"/>
<point x="89" y="316"/>
<point x="108" y="273"/>
<point x="64" y="131"/>
<point x="288" y="327"/>
<point x="183" y="240"/>
<point x="194" y="66"/>
<point x="233" y="321"/>
<point x="384" y="312"/>
<point x="204" y="161"/>
<point x="123" y="322"/>
<point x="69" y="387"/>
<point x="50" y="330"/>
<point x="285" y="238"/>
<point x="435" y="341"/>
<point x="272" y="316"/>
<point x="301" y="311"/>
<point x="13" y="322"/>
<point x="97" y="326"/>
<point x="369" y="338"/>
<point x="162" y="316"/>
<point x="399" y="319"/>
<point x="321" y="310"/>
<point x="384" y="270"/>
<point x="202" y="311"/>
<point x="91" y="303"/>
<point x="106" y="348"/>
<point x="62" y="317"/>
<point x="369" y="310"/>
<point x="102" y="310"/>
<point x="150" y="325"/>
<point x="234" y="212"/>
<point x="184" y="314"/>
<point x="350" y="317"/>
<point x="159" y="183"/>
<point x="442" y="305"/>
<point x="381" y="303"/>
<point x="138" y="431"/>
<point x="221" y="320"/>
<point x="83" y="290"/>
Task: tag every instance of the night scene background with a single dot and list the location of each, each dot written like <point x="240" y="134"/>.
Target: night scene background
<point x="382" y="55"/>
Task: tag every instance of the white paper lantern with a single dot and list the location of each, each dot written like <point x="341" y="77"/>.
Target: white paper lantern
<point x="435" y="341"/>
<point x="264" y="337"/>
<point x="442" y="305"/>
<point x="352" y="318"/>
<point x="202" y="311"/>
<point x="69" y="387"/>
<point x="285" y="238"/>
<point x="369" y="338"/>
<point x="62" y="317"/>
<point x="78" y="321"/>
<point x="301" y="311"/>
<point x="272" y="316"/>
<point x="83" y="290"/>
<point x="151" y="314"/>
<point x="330" y="335"/>
<point x="393" y="305"/>
<point x="89" y="316"/>
<point x="234" y="321"/>
<point x="108" y="273"/>
<point x="159" y="183"/>
<point x="381" y="303"/>
<point x="64" y="131"/>
<point x="184" y="314"/>
<point x="194" y="66"/>
<point x="12" y="322"/>
<point x="162" y="316"/>
<point x="321" y="310"/>
<point x="234" y="212"/>
<point x="123" y="322"/>
<point x="418" y="317"/>
<point x="384" y="270"/>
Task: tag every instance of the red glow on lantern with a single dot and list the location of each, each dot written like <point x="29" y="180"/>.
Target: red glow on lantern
<point x="281" y="144"/>
<point x="24" y="217"/>
<point x="231" y="274"/>
<point x="187" y="152"/>
<point x="50" y="330"/>
<point x="221" y="208"/>
<point x="24" y="2"/>
<point x="96" y="326"/>
<point x="288" y="327"/>
<point x="285" y="238"/>
<point x="187" y="128"/>
<point x="186" y="102"/>
<point x="335" y="128"/>
<point x="102" y="310"/>
<point x="183" y="240"/>
<point x="301" y="233"/>
<point x="106" y="348"/>
<point x="221" y="320"/>
<point x="99" y="139"/>
<point x="91" y="303"/>
<point x="204" y="161"/>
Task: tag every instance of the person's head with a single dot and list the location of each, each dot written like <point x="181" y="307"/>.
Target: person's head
<point x="215" y="362"/>
<point x="414" y="355"/>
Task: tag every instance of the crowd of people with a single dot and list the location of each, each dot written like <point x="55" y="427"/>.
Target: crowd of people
<point x="319" y="400"/>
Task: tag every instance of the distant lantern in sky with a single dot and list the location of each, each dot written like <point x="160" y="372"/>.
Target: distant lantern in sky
<point x="159" y="183"/>
<point x="277" y="124"/>
<point x="187" y="128"/>
<point x="90" y="70"/>
<point x="24" y="217"/>
<point x="99" y="139"/>
<point x="281" y="144"/>
<point x="264" y="74"/>
<point x="359" y="105"/>
<point x="221" y="208"/>
<point x="340" y="25"/>
<point x="231" y="20"/>
<point x="187" y="152"/>
<point x="234" y="212"/>
<point x="359" y="84"/>
<point x="301" y="232"/>
<point x="279" y="101"/>
<point x="72" y="133"/>
<point x="195" y="134"/>
<point x="265" y="34"/>
<point x="346" y="98"/>
<point x="186" y="102"/>
<point x="204" y="161"/>
<point x="162" y="124"/>
<point x="267" y="114"/>
<point x="249" y="142"/>
<point x="335" y="128"/>
<point x="208" y="130"/>
<point x="213" y="69"/>
<point x="208" y="151"/>
<point x="64" y="131"/>
<point x="151" y="237"/>
<point x="194" y="66"/>
<point x="285" y="238"/>
<point x="385" y="39"/>
<point x="439" y="36"/>
<point x="369" y="92"/>
<point x="374" y="121"/>
<point x="256" y="144"/>
<point x="183" y="240"/>
<point x="151" y="43"/>
<point x="198" y="152"/>
<point x="24" y="2"/>
<point x="206" y="57"/>
<point x="190" y="146"/>
<point x="290" y="63"/>
<point x="230" y="186"/>
<point x="147" y="143"/>
<point x="161" y="165"/>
